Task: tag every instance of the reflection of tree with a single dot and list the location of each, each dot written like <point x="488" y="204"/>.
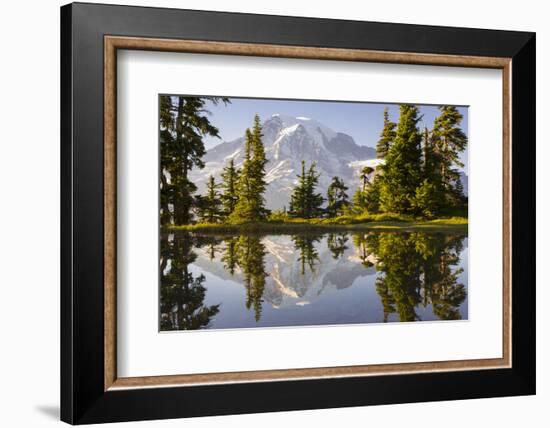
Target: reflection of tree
<point x="181" y="294"/>
<point x="336" y="243"/>
<point x="443" y="291"/>
<point x="212" y="249"/>
<point x="360" y="242"/>
<point x="250" y="255"/>
<point x="388" y="303"/>
<point x="308" y="254"/>
<point x="418" y="269"/>
<point x="246" y="252"/>
<point x="401" y="267"/>
<point x="229" y="257"/>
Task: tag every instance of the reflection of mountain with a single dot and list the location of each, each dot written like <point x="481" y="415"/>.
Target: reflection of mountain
<point x="286" y="284"/>
<point x="289" y="140"/>
<point x="413" y="276"/>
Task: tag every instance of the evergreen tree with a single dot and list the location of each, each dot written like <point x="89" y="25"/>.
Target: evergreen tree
<point x="427" y="153"/>
<point x="259" y="162"/>
<point x="448" y="142"/>
<point x="229" y="197"/>
<point x="365" y="175"/>
<point x="366" y="198"/>
<point x="183" y="124"/>
<point x="210" y="204"/>
<point x="167" y="143"/>
<point x="386" y="137"/>
<point x="243" y="211"/>
<point x="337" y="198"/>
<point x="250" y="205"/>
<point x="426" y="201"/>
<point x="304" y="201"/>
<point x="402" y="170"/>
<point x="313" y="200"/>
<point x="297" y="206"/>
<point x="359" y="201"/>
<point x="372" y="196"/>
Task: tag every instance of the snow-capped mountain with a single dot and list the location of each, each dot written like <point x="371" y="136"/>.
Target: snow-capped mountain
<point x="289" y="140"/>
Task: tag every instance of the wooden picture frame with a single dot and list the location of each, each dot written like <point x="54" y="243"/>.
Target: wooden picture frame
<point x="91" y="390"/>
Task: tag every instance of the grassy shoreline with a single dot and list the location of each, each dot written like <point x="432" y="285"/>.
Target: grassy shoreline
<point x="459" y="224"/>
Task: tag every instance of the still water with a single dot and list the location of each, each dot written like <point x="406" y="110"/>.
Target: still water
<point x="256" y="280"/>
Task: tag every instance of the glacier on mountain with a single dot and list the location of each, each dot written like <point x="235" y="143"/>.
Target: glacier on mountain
<point x="288" y="140"/>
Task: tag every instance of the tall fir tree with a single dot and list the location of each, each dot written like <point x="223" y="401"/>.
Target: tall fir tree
<point x="242" y="211"/>
<point x="427" y="152"/>
<point x="402" y="171"/>
<point x="365" y="176"/>
<point x="297" y="206"/>
<point x="230" y="196"/>
<point x="427" y="201"/>
<point x="387" y="136"/>
<point x="259" y="162"/>
<point x="210" y="210"/>
<point x="448" y="142"/>
<point x="429" y="196"/>
<point x="359" y="201"/>
<point x="183" y="124"/>
<point x="305" y="202"/>
<point x="366" y="198"/>
<point x="372" y="195"/>
<point x="250" y="205"/>
<point x="337" y="198"/>
<point x="167" y="158"/>
<point x="314" y="200"/>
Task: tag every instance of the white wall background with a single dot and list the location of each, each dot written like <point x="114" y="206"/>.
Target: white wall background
<point x="29" y="215"/>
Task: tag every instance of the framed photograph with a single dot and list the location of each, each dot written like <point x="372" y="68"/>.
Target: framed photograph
<point x="266" y="213"/>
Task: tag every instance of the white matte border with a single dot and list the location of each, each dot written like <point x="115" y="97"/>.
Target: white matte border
<point x="143" y="351"/>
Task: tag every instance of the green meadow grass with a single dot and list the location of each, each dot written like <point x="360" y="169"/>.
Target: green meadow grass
<point x="345" y="222"/>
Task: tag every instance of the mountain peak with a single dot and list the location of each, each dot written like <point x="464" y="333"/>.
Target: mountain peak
<point x="288" y="140"/>
<point x="317" y="130"/>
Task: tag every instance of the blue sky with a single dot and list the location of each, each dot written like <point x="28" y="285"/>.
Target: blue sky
<point x="362" y="121"/>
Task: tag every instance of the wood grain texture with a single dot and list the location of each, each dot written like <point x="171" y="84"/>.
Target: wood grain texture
<point x="109" y="196"/>
<point x="507" y="213"/>
<point x="112" y="43"/>
<point x="301" y="52"/>
<point x="296" y="374"/>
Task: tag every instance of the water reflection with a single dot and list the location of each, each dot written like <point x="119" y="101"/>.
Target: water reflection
<point x="336" y="242"/>
<point x="182" y="294"/>
<point x="309" y="256"/>
<point x="258" y="280"/>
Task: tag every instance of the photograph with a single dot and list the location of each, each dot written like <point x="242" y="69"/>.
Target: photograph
<point x="281" y="213"/>
<point x="273" y="209"/>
